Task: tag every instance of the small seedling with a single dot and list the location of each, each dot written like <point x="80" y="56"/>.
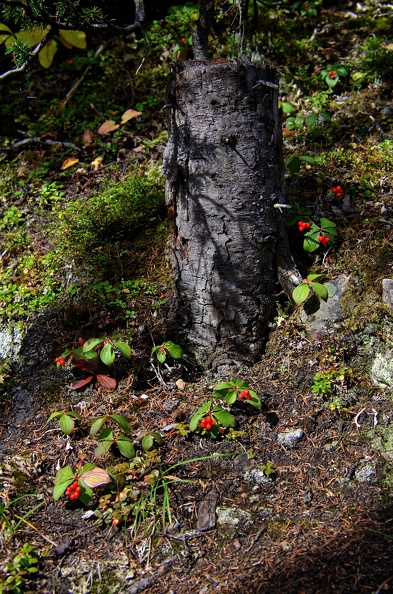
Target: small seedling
<point x="268" y="469"/>
<point x="307" y="287"/>
<point x="161" y="351"/>
<point x="66" y="420"/>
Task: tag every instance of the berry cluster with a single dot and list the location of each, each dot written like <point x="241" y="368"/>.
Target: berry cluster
<point x="73" y="491"/>
<point x="332" y="74"/>
<point x="60" y="360"/>
<point x="303" y="225"/>
<point x="245" y="395"/>
<point x="338" y="191"/>
<point x="323" y="239"/>
<point x="207" y="423"/>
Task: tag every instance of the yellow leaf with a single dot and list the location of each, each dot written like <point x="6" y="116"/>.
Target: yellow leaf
<point x="69" y="163"/>
<point x="73" y="39"/>
<point x="3" y="34"/>
<point x="389" y="46"/>
<point x="129" y="115"/>
<point x="108" y="126"/>
<point x="32" y="36"/>
<point x="47" y="53"/>
<point x="96" y="163"/>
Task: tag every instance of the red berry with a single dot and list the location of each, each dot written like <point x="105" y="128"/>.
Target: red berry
<point x="248" y="396"/>
<point x="213" y="422"/>
<point x="70" y="62"/>
<point x="208" y="426"/>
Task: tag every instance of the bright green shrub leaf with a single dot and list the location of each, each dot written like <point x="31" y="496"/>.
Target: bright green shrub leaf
<point x="331" y="81"/>
<point x="63" y="474"/>
<point x="60" y="488"/>
<point x="311" y="243"/>
<point x="223" y="386"/>
<point x="174" y="350"/>
<point x="124" y="348"/>
<point x="55" y="415"/>
<point x="91" y="344"/>
<point x="231" y="397"/>
<point x="320" y="290"/>
<point x="66" y="424"/>
<point x="107" y="354"/>
<point x="254" y="400"/>
<point x="103" y="447"/>
<point x="5" y="32"/>
<point x="301" y="293"/>
<point x="307" y="159"/>
<point x="311" y="119"/>
<point x="287" y="107"/>
<point x="147" y="443"/>
<point x="122" y="422"/>
<point x="342" y="71"/>
<point x="97" y="424"/>
<point x="125" y="446"/>
<point x="312" y="277"/>
<point x="224" y="418"/>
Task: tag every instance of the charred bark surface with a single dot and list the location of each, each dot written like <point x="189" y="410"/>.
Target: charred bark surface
<point x="224" y="170"/>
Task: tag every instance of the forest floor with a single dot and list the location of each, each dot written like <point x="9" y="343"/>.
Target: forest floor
<point x="298" y="497"/>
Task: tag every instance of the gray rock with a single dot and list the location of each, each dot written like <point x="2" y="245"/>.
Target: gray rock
<point x="10" y="342"/>
<point x="323" y="321"/>
<point x="387" y="292"/>
<point x="365" y="473"/>
<point x="256" y="478"/>
<point x="290" y="439"/>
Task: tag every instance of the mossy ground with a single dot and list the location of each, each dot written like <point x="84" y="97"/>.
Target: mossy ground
<point x="320" y="525"/>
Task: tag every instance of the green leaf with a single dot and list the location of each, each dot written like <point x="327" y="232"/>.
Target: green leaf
<point x="60" y="488"/>
<point x="105" y="434"/>
<point x="55" y="415"/>
<point x="342" y="71"/>
<point x="320" y="290"/>
<point x="147" y="443"/>
<point x="125" y="446"/>
<point x="311" y="243"/>
<point x="287" y="107"/>
<point x="63" y="474"/>
<point x="307" y="159"/>
<point x="311" y="119"/>
<point x="124" y="348"/>
<point x="231" y="397"/>
<point x="255" y="401"/>
<point x="224" y="418"/>
<point x="223" y="386"/>
<point x="325" y="116"/>
<point x="161" y="356"/>
<point x="293" y="164"/>
<point x="67" y="424"/>
<point x="91" y="343"/>
<point x="103" y="447"/>
<point x="97" y="424"/>
<point x="331" y="82"/>
<point x="86" y="467"/>
<point x="300" y="293"/>
<point x="312" y="277"/>
<point x="107" y="354"/>
<point x="122" y="422"/>
<point x="174" y="350"/>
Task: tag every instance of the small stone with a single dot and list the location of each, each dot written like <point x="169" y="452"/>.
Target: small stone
<point x="387" y="292"/>
<point x="207" y="511"/>
<point x="256" y="477"/>
<point x="290" y="439"/>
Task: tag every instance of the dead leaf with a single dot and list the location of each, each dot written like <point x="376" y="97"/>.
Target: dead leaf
<point x="69" y="163"/>
<point x="108" y="126"/>
<point x="129" y="115"/>
<point x="389" y="46"/>
<point x="88" y="137"/>
<point x="96" y="163"/>
<point x="138" y="149"/>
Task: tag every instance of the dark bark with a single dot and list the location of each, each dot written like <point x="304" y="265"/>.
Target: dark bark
<point x="200" y="36"/>
<point x="224" y="169"/>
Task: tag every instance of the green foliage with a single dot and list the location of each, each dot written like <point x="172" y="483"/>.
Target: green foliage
<point x="11" y="523"/>
<point x="268" y="468"/>
<point x="11" y="218"/>
<point x="20" y="570"/>
<point x="102" y="230"/>
<point x="317" y="235"/>
<point x="377" y="58"/>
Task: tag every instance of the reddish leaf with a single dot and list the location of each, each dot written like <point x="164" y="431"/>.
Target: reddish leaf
<point x="88" y="137"/>
<point x="106" y="381"/>
<point x="129" y="115"/>
<point x="82" y="382"/>
<point x="108" y="126"/>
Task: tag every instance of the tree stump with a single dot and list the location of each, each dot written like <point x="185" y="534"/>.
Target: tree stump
<point x="225" y="173"/>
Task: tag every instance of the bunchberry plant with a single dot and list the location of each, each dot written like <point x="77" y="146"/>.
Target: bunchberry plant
<point x="104" y="349"/>
<point x="213" y="420"/>
<point x="79" y="485"/>
<point x="107" y="437"/>
<point x="315" y="235"/>
<point x="308" y="287"/>
<point x="161" y="351"/>
<point x="331" y="75"/>
<point x="16" y="574"/>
